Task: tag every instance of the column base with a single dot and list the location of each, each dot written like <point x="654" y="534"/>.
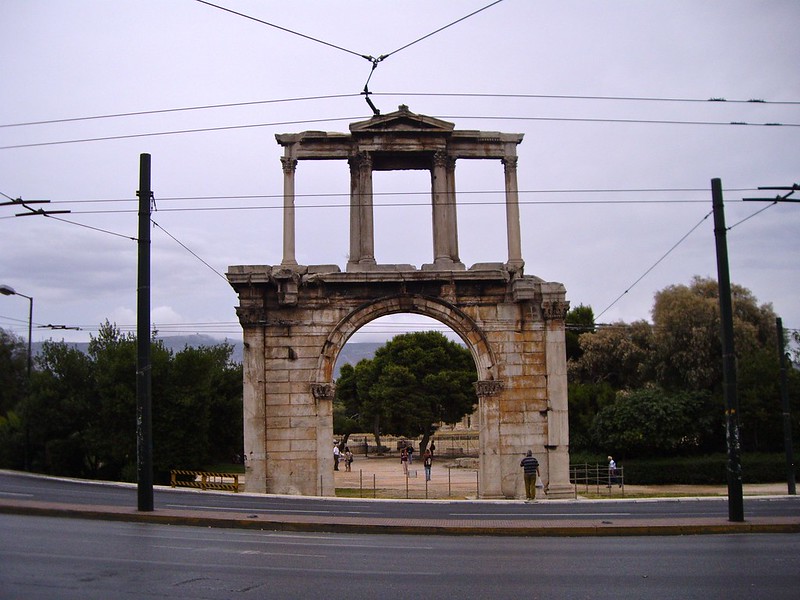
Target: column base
<point x="444" y="264"/>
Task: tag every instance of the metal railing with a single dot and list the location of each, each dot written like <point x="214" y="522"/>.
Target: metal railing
<point x="597" y="476"/>
<point x="446" y="482"/>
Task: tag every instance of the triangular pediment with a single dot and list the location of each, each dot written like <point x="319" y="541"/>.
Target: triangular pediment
<point x="402" y="120"/>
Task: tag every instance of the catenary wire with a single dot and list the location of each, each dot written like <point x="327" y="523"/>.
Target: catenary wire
<point x="455" y="117"/>
<point x="98" y="229"/>
<point x="285" y="29"/>
<point x="399" y="94"/>
<point x="174" y="110"/>
<point x="424" y="37"/>
<point x="189" y="250"/>
<point x="655" y="264"/>
<point x="419" y="193"/>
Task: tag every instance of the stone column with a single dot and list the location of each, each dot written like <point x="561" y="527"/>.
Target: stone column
<point x="452" y="231"/>
<point x="355" y="211"/>
<point x="367" y="224"/>
<point x="289" y="165"/>
<point x="442" y="254"/>
<point x="362" y="235"/>
<point x="515" y="261"/>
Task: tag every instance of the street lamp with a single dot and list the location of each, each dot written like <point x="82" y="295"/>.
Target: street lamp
<point x="7" y="290"/>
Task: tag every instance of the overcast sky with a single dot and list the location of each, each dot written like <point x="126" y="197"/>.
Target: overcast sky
<point x="608" y="186"/>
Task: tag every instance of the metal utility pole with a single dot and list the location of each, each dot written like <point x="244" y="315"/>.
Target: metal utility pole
<point x="144" y="421"/>
<point x="787" y="418"/>
<point x="787" y="423"/>
<point x="734" y="466"/>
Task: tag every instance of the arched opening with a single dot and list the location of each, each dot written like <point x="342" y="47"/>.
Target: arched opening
<point x="420" y="438"/>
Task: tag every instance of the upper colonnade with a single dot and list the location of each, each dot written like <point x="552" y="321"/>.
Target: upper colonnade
<point x="402" y="140"/>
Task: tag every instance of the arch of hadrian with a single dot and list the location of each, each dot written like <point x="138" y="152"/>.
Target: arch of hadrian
<point x="297" y="318"/>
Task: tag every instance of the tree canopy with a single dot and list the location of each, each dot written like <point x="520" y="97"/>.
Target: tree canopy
<point x="414" y="382"/>
<point x="80" y="416"/>
<point x="632" y="383"/>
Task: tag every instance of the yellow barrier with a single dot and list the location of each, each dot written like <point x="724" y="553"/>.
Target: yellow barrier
<point x="208" y="481"/>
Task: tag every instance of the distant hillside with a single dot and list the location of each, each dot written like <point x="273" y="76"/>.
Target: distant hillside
<point x="351" y="353"/>
<point x="354" y="352"/>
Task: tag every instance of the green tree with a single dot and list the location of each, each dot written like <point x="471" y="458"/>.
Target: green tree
<point x="80" y="418"/>
<point x="586" y="400"/>
<point x="13" y="371"/>
<point x="651" y="422"/>
<point x="579" y="320"/>
<point x="197" y="416"/>
<point x="619" y="355"/>
<point x="687" y="350"/>
<point x="681" y="353"/>
<point x="414" y="382"/>
<point x="63" y="413"/>
<point x="346" y="404"/>
<point x="13" y="386"/>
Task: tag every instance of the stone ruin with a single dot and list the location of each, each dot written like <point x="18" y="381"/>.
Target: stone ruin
<point x="296" y="318"/>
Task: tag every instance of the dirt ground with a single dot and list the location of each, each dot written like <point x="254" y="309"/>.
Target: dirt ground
<point x="383" y="477"/>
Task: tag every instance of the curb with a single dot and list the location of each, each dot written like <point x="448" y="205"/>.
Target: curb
<point x="405" y="526"/>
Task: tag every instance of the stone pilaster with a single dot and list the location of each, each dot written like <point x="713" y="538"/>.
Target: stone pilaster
<point x="554" y="311"/>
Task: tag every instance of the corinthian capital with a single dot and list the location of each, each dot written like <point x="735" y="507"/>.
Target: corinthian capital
<point x="488" y="387"/>
<point x="288" y="164"/>
<point x="323" y="391"/>
<point x="510" y="162"/>
<point x="555" y="310"/>
<point x="251" y="315"/>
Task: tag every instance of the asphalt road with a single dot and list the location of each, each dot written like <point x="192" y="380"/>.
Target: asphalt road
<point x="45" y="558"/>
<point x="24" y="487"/>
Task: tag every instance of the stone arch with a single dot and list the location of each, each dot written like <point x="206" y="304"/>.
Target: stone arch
<point x="436" y="308"/>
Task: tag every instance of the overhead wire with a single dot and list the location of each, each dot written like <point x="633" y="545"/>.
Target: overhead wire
<point x="190" y="251"/>
<point x="98" y="229"/>
<point x="174" y="132"/>
<point x="395" y="94"/>
<point x="419" y="193"/>
<point x="352" y="118"/>
<point x="140" y="113"/>
<point x="654" y="265"/>
<point x="375" y="61"/>
<point x="284" y="29"/>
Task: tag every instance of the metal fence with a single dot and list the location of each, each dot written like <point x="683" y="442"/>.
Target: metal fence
<point x="446" y="482"/>
<point x="599" y="477"/>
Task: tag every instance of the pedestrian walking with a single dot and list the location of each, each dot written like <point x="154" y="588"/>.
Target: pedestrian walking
<point x="410" y="454"/>
<point x="348" y="459"/>
<point x="427" y="460"/>
<point x="530" y="469"/>
<point x="336" y="455"/>
<point x="404" y="460"/>
<point x="612" y="472"/>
